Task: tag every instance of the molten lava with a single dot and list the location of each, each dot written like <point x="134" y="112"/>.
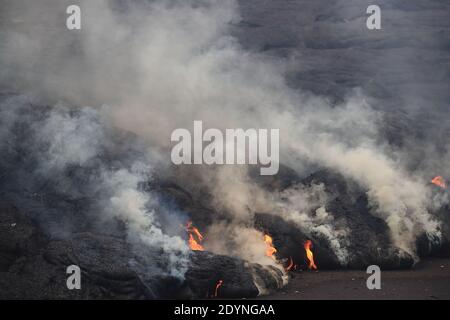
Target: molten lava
<point x="310" y="255"/>
<point x="270" y="251"/>
<point x="290" y="265"/>
<point x="194" y="245"/>
<point x="194" y="233"/>
<point x="191" y="229"/>
<point x="219" y="283"/>
<point x="439" y="181"/>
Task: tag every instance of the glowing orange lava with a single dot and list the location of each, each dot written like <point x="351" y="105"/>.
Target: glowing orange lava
<point x="219" y="283"/>
<point x="194" y="244"/>
<point x="290" y="265"/>
<point x="270" y="251"/>
<point x="310" y="255"/>
<point x="439" y="181"/>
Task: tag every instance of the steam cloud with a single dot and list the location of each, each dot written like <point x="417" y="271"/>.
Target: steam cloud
<point x="150" y="67"/>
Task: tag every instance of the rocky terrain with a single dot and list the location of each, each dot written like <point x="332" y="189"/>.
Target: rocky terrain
<point x="50" y="219"/>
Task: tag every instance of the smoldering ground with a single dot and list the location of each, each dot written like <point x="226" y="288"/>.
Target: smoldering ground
<point x="149" y="67"/>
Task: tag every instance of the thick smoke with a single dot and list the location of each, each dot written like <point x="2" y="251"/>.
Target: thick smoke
<point x="63" y="142"/>
<point x="160" y="65"/>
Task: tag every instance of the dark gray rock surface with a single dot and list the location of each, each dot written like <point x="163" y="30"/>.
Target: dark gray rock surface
<point x="34" y="267"/>
<point x="404" y="69"/>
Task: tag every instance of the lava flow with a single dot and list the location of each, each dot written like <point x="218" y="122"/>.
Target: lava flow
<point x="290" y="265"/>
<point x="310" y="255"/>
<point x="270" y="251"/>
<point x="439" y="181"/>
<point x="194" y="244"/>
<point x="219" y="283"/>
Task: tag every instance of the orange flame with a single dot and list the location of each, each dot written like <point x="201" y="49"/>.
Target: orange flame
<point x="310" y="255"/>
<point x="270" y="251"/>
<point x="219" y="283"/>
<point x="290" y="265"/>
<point x="439" y="181"/>
<point x="190" y="228"/>
<point x="193" y="243"/>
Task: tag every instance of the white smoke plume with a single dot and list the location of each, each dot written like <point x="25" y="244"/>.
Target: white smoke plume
<point x="160" y="65"/>
<point x="66" y="138"/>
<point x="300" y="203"/>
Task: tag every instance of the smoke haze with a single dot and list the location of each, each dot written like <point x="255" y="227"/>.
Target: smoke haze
<point x="149" y="67"/>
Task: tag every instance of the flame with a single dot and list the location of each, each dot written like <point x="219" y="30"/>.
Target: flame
<point x="439" y="181"/>
<point x="310" y="255"/>
<point x="270" y="248"/>
<point x="191" y="229"/>
<point x="194" y="233"/>
<point x="290" y="265"/>
<point x="219" y="283"/>
<point x="194" y="245"/>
